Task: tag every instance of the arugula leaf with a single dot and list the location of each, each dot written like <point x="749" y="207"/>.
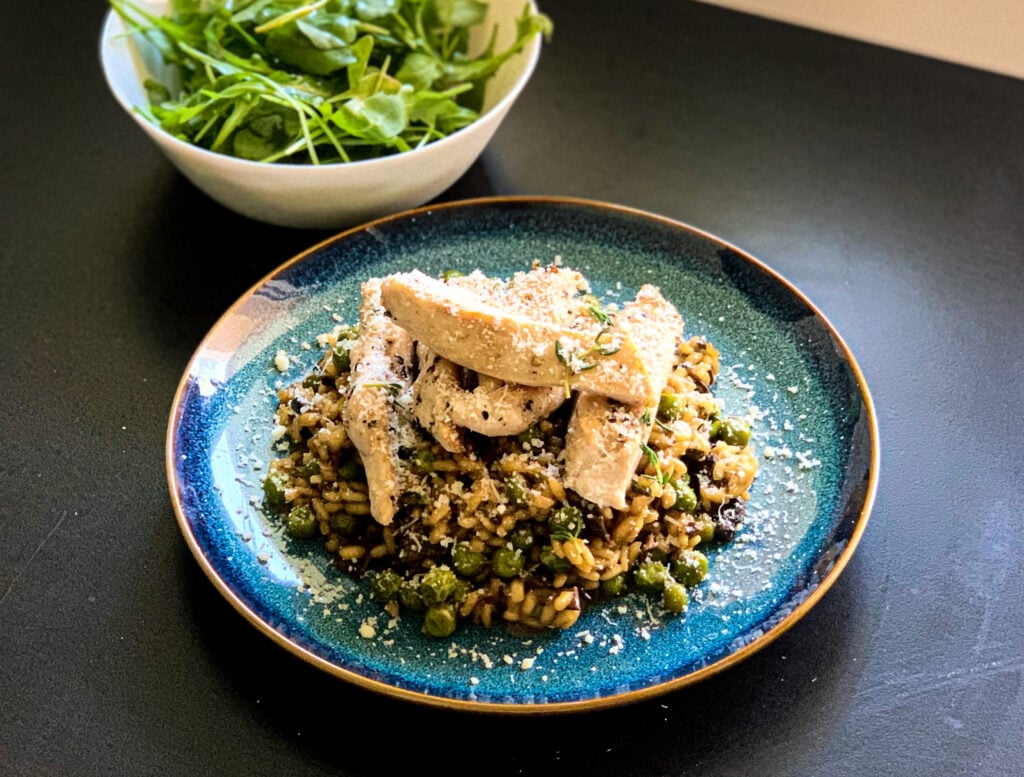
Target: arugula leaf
<point x="420" y="70"/>
<point x="370" y="10"/>
<point x="379" y="118"/>
<point x="306" y="46"/>
<point x="459" y="13"/>
<point x="362" y="49"/>
<point x="433" y="107"/>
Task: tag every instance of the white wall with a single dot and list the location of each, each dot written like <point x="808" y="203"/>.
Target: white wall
<point x="987" y="34"/>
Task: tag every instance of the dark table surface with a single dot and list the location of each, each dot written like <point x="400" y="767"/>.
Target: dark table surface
<point x="888" y="187"/>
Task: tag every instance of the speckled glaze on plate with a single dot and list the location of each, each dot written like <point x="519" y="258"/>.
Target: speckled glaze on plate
<point x="815" y="432"/>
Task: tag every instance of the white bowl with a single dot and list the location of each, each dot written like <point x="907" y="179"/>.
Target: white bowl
<point x="322" y="196"/>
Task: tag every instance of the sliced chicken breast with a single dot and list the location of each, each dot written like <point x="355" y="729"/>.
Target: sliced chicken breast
<point x="382" y="364"/>
<point x="495" y="407"/>
<point x="603" y="445"/>
<point x="471" y="331"/>
<point x="432" y="393"/>
<point x="605" y="438"/>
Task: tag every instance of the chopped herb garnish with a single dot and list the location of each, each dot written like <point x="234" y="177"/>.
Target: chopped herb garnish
<point x="599" y="314"/>
<point x="652" y="459"/>
<point x="565" y="523"/>
<point x="560" y="353"/>
<point x="394" y="389"/>
<point x="606" y="350"/>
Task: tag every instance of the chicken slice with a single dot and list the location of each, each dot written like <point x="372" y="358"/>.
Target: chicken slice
<point x="477" y="283"/>
<point x="603" y="445"/>
<point x="604" y="440"/>
<point x="473" y="332"/>
<point x="382" y="361"/>
<point x="655" y="326"/>
<point x="549" y="293"/>
<point x="545" y="291"/>
<point x="494" y="407"/>
<point x="432" y="392"/>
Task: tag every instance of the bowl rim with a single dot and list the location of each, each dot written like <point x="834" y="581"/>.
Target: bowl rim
<point x="109" y="33"/>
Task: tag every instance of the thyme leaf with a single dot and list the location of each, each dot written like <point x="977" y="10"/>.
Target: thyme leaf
<point x="394" y="389"/>
<point x="599" y="314"/>
<point x="652" y="459"/>
<point x="560" y="353"/>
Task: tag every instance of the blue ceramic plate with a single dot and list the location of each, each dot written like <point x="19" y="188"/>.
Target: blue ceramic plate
<point x="815" y="434"/>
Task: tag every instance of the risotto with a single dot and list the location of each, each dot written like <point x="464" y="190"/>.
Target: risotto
<point x="504" y="451"/>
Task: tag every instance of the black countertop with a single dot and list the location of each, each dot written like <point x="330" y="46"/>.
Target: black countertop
<point x="886" y="186"/>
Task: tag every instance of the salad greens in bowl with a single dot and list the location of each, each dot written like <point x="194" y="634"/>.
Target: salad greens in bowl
<point x="320" y="114"/>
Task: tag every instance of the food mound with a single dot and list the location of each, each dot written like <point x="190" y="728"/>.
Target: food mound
<point x="507" y="451"/>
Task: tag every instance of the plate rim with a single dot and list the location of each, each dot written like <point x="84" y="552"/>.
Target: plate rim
<point x="527" y="707"/>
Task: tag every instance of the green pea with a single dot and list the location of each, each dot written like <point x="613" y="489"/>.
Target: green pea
<point x="650" y="576"/>
<point x="312" y="467"/>
<point x="506" y="563"/>
<point x="422" y="462"/>
<point x="466" y="561"/>
<point x="731" y="430"/>
<point x="462" y="589"/>
<point x="553" y="561"/>
<point x="301" y="523"/>
<point x="613" y="586"/>
<point x="350" y="471"/>
<point x="439" y="621"/>
<point x="521" y="538"/>
<point x="690" y="568"/>
<point x="674" y="597"/>
<point x="686" y="497"/>
<point x="710" y="407"/>
<point x="529" y="436"/>
<point x="565" y="522"/>
<point x="409" y="596"/>
<point x="385" y="586"/>
<point x="344" y="523"/>
<point x="706" y="528"/>
<point x="515" y="489"/>
<point x="670" y="406"/>
<point x="273" y="489"/>
<point x="657" y="554"/>
<point x="437" y="586"/>
<point x="341" y="357"/>
<point x="313" y="379"/>
<point x="412" y="499"/>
